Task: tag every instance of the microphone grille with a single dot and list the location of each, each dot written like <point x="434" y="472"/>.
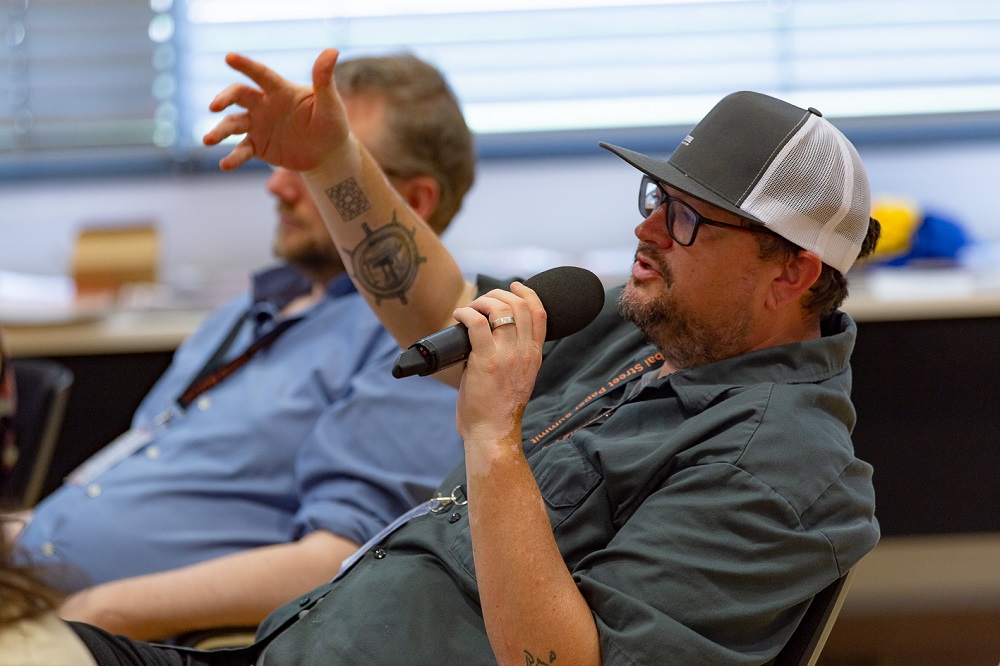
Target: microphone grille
<point x="572" y="297"/>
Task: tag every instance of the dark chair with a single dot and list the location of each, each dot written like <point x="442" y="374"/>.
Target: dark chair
<point x="803" y="648"/>
<point x="42" y="391"/>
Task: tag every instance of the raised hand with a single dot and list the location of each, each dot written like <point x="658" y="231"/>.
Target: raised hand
<point x="288" y="125"/>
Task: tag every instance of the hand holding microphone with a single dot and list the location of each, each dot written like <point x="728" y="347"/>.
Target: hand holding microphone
<point x="572" y="298"/>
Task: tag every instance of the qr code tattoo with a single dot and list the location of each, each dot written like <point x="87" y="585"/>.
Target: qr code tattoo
<point x="348" y="199"/>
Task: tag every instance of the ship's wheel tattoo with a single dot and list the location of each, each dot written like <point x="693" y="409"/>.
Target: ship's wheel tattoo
<point x="348" y="199"/>
<point x="385" y="262"/>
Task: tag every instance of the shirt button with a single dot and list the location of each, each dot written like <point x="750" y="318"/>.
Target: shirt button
<point x="48" y="549"/>
<point x="454" y="518"/>
<point x="94" y="490"/>
<point x="153" y="452"/>
<point x="204" y="402"/>
<point x="379" y="553"/>
<point x="302" y="614"/>
<point x="303" y="601"/>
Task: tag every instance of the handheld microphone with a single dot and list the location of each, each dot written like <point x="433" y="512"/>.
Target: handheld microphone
<point x="572" y="298"/>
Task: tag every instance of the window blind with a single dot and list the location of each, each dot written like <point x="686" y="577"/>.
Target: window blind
<point x="563" y="65"/>
<point x="109" y="75"/>
<point x="78" y="80"/>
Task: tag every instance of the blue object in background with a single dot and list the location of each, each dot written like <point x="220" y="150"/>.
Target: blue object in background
<point x="936" y="238"/>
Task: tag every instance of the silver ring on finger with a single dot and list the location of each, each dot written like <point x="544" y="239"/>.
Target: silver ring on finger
<point x="502" y="321"/>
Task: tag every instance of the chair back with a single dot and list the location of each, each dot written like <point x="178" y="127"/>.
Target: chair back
<point x="43" y="387"/>
<point x="805" y="645"/>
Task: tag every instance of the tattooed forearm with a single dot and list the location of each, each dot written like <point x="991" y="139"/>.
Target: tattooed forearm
<point x="532" y="660"/>
<point x="348" y="199"/>
<point x="385" y="262"/>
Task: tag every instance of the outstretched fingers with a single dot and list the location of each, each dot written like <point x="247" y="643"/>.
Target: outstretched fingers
<point x="237" y="123"/>
<point x="239" y="94"/>
<point x="285" y="124"/>
<point x="262" y="75"/>
<point x="241" y="153"/>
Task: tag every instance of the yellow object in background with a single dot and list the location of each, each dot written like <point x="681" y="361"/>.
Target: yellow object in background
<point x="900" y="219"/>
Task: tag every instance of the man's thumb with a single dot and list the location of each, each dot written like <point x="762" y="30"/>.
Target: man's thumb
<point x="323" y="71"/>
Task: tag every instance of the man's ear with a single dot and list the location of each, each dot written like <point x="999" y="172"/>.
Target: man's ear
<point x="422" y="193"/>
<point x="797" y="275"/>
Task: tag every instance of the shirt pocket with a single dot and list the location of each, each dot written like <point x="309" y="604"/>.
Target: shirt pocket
<point x="565" y="478"/>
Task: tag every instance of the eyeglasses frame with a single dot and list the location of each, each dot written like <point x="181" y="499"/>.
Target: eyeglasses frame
<point x="700" y="219"/>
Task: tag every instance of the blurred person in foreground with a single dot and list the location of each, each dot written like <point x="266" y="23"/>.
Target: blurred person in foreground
<point x="673" y="483"/>
<point x="277" y="440"/>
<point x="30" y="632"/>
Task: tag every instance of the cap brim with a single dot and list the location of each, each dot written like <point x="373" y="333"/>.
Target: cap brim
<point x="665" y="172"/>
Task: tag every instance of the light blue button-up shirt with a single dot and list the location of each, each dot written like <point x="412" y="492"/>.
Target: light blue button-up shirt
<point x="312" y="433"/>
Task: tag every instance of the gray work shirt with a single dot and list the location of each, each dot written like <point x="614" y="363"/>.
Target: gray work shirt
<point x="698" y="513"/>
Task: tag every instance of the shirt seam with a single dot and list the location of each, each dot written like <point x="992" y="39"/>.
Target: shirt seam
<point x="798" y="514"/>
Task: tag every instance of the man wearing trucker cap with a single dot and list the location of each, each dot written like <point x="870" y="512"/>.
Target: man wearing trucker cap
<point x="668" y="486"/>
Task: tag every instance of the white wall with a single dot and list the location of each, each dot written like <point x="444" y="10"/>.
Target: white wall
<point x="571" y="209"/>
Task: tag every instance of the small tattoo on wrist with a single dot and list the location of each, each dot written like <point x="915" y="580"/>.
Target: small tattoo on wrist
<point x="348" y="199"/>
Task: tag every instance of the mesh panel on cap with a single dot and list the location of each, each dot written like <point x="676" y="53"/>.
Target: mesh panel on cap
<point x="815" y="194"/>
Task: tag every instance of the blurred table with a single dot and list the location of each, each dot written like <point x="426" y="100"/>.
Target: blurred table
<point x="116" y="332"/>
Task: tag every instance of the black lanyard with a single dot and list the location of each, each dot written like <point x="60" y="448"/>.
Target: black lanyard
<point x="215" y="370"/>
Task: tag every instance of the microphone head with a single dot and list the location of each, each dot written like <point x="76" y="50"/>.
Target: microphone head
<point x="572" y="297"/>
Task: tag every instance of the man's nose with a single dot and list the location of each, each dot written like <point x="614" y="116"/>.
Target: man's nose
<point x="654" y="228"/>
<point x="281" y="184"/>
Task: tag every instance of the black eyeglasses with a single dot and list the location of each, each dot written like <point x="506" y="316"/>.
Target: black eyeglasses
<point x="682" y="220"/>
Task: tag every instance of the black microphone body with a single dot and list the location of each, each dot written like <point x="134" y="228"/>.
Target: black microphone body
<point x="572" y="298"/>
<point x="435" y="352"/>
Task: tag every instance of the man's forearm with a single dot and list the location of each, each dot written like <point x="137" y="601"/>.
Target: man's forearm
<point x="397" y="262"/>
<point x="534" y="612"/>
<point x="235" y="590"/>
<point x="395" y="259"/>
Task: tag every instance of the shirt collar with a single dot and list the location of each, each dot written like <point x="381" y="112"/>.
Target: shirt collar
<point x="808" y="361"/>
<point x="275" y="287"/>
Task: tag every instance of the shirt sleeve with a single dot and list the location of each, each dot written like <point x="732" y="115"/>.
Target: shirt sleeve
<point x="377" y="451"/>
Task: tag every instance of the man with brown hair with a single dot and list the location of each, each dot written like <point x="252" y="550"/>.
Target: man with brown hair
<point x="277" y="441"/>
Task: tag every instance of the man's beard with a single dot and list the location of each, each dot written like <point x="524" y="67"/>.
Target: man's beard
<point x="685" y="339"/>
<point x="311" y="256"/>
<point x="313" y="259"/>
